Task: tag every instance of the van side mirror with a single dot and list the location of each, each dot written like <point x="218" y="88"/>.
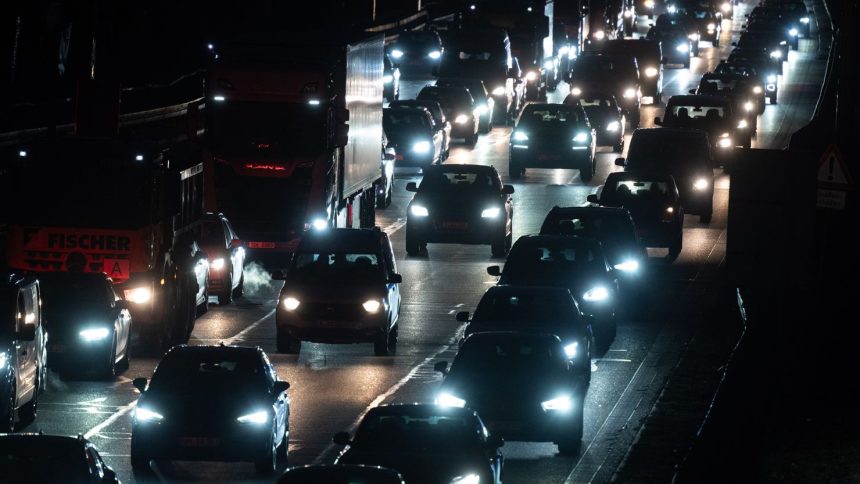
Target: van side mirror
<point x="140" y="384"/>
<point x="592" y="198"/>
<point x="278" y="275"/>
<point x="692" y="91"/>
<point x="463" y="316"/>
<point x="495" y="271"/>
<point x="395" y="279"/>
<point x="441" y="367"/>
<point x="26" y="333"/>
<point x="281" y="386"/>
<point x="658" y="121"/>
<point x="411" y="187"/>
<point x="507" y="190"/>
<point x="620" y="162"/>
<point x="388" y="156"/>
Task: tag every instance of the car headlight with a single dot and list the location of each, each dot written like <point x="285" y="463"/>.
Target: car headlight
<point x="693" y="36"/>
<point x="520" y="136"/>
<point x="700" y="184"/>
<point x="558" y="404"/>
<point x="143" y="414"/>
<point x="683" y="48"/>
<point x="397" y="53"/>
<point x="531" y="76"/>
<point x="649" y="3"/>
<point x="580" y="138"/>
<point x="481" y="109"/>
<point x="672" y="9"/>
<point x="651" y="71"/>
<point x="629" y="93"/>
<point x="804" y="20"/>
<point x="319" y="224"/>
<point x="291" y="303"/>
<point x="492" y="212"/>
<point x="386" y="79"/>
<point x="3" y="359"/>
<point x="461" y="119"/>
<point x="712" y="27"/>
<point x="613" y="126"/>
<point x="419" y="211"/>
<point x="563" y="50"/>
<point x="499" y="91"/>
<point x="776" y="54"/>
<point x="757" y="90"/>
<point x="570" y="350"/>
<point x="371" y="305"/>
<point x="670" y="210"/>
<point x="771" y="78"/>
<point x="447" y="400"/>
<point x="600" y="35"/>
<point x="549" y="65"/>
<point x="138" y="295"/>
<point x="94" y="334"/>
<point x="217" y="264"/>
<point x="726" y="7"/>
<point x="576" y="91"/>
<point x="257" y="418"/>
<point x="749" y="106"/>
<point x="743" y="123"/>
<point x="793" y="32"/>
<point x="421" y="147"/>
<point x="467" y="479"/>
<point x="629" y="265"/>
<point x="434" y="54"/>
<point x="595" y="294"/>
<point x="725" y="143"/>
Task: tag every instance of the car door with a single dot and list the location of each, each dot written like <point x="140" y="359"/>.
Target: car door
<point x="438" y="139"/>
<point x="281" y="400"/>
<point x="237" y="253"/>
<point x="122" y="321"/>
<point x="392" y="288"/>
<point x="25" y="349"/>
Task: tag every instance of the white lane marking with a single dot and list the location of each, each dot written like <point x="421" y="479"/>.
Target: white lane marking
<point x="394" y="226"/>
<point x="113" y="418"/>
<point x="391" y="391"/>
<point x="618" y="360"/>
<point x="247" y="330"/>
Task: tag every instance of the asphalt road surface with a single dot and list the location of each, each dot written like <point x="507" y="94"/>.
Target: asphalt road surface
<point x="333" y="385"/>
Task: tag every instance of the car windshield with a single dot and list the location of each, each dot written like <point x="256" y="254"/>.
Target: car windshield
<point x="525" y="309"/>
<point x="239" y="128"/>
<point x="509" y="355"/>
<point x="696" y="113"/>
<point x="408" y="433"/>
<point x="65" y="294"/>
<point x="678" y="152"/>
<point x="405" y="119"/>
<point x="718" y="85"/>
<point x="551" y="117"/>
<point x="552" y="263"/>
<point x="637" y="192"/>
<point x="34" y="461"/>
<point x="208" y="372"/>
<point x="597" y="102"/>
<point x="438" y="180"/>
<point x="598" y="67"/>
<point x="609" y="230"/>
<point x="448" y="99"/>
<point x="213" y="234"/>
<point x="333" y="267"/>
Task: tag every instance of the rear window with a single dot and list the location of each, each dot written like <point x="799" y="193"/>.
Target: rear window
<point x="447" y="180"/>
<point x="669" y="151"/>
<point x="637" y="192"/>
<point x="195" y="371"/>
<point x="524" y="307"/>
<point x="704" y="113"/>
<point x="552" y="116"/>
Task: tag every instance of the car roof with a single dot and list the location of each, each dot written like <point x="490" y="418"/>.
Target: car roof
<point x="63" y="276"/>
<point x="43" y="438"/>
<point x="460" y="168"/>
<point x="342" y="240"/>
<point x="668" y="133"/>
<point x="342" y="471"/>
<point x="514" y="289"/>
<point x="638" y="175"/>
<point x="206" y="350"/>
<point x="417" y="110"/>
<point x="580" y="211"/>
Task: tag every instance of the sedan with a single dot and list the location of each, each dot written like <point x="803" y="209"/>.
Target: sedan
<point x="89" y="324"/>
<point x="485" y="102"/>
<point x="577" y="263"/>
<point x="460" y="204"/>
<point x="522" y="384"/>
<point x="411" y="131"/>
<point x="676" y="44"/>
<point x="552" y="136"/>
<point x="458" y="106"/>
<point x="440" y="122"/>
<point x="212" y="403"/>
<point x="536" y="309"/>
<point x="340" y="474"/>
<point x="605" y="117"/>
<point x="227" y="257"/>
<point x="45" y="459"/>
<point x="416" y="51"/>
<point x="425" y="443"/>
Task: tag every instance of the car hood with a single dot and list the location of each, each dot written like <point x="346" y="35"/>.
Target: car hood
<point x="578" y="281"/>
<point x="501" y="388"/>
<point x="420" y="466"/>
<point x="189" y="407"/>
<point x="337" y="291"/>
<point x="600" y="116"/>
<point x="459" y="200"/>
<point x="405" y="137"/>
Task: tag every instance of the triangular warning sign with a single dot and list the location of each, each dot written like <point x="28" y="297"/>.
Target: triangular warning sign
<point x="832" y="172"/>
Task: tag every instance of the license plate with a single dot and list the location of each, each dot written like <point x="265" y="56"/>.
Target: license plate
<point x="199" y="442"/>
<point x="455" y="225"/>
<point x="57" y="348"/>
<point x="261" y="245"/>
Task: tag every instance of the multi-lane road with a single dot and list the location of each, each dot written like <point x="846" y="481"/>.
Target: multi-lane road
<point x="332" y="386"/>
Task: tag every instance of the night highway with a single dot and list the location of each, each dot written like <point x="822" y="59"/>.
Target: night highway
<point x="333" y="386"/>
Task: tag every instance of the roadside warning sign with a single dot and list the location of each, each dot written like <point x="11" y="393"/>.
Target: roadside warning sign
<point x="832" y="172"/>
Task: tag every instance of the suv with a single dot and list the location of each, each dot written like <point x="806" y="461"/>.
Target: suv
<point x="23" y="351"/>
<point x="613" y="74"/>
<point x="683" y="153"/>
<point x="227" y="257"/>
<point x="342" y="287"/>
<point x="38" y="457"/>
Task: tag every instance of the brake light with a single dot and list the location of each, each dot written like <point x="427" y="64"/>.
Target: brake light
<point x="265" y="166"/>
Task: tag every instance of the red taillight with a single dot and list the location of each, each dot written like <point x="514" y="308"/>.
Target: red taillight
<point x="265" y="166"/>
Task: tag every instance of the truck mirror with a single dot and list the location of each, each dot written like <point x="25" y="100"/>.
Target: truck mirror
<point x="507" y="189"/>
<point x="619" y="162"/>
<point x="592" y="199"/>
<point x="395" y="279"/>
<point x="139" y="383"/>
<point x="495" y="271"/>
<point x="341" y="135"/>
<point x="463" y="316"/>
<point x="411" y="187"/>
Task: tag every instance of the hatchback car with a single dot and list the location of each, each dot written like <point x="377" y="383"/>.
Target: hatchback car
<point x="46" y="459"/>
<point x="459" y="107"/>
<point x="460" y="204"/>
<point x="605" y="117"/>
<point x="342" y="286"/>
<point x="89" y="324"/>
<point x="523" y="385"/>
<point x="675" y="42"/>
<point x="714" y="115"/>
<point x="440" y="122"/>
<point x="425" y="443"/>
<point x="610" y="73"/>
<point x="212" y="403"/>
<point x="649" y="59"/>
<point x="552" y="136"/>
<point x="411" y="132"/>
<point x="485" y="103"/>
<point x="227" y="258"/>
<point x="745" y="94"/>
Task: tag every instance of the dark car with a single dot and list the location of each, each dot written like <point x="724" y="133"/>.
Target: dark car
<point x="416" y="51"/>
<point x="616" y="75"/>
<point x="385" y="186"/>
<point x="440" y="122"/>
<point x="460" y="204"/>
<point x="342" y="287"/>
<point x="459" y="107"/>
<point x="485" y="104"/>
<point x="754" y="61"/>
<point x="768" y="85"/>
<point x="536" y="309"/>
<point x="706" y="21"/>
<point x="577" y="263"/>
<point x="552" y="136"/>
<point x="794" y="13"/>
<point x="675" y="42"/>
<point x="212" y="403"/>
<point x="522" y="384"/>
<point x="612" y="227"/>
<point x="683" y="153"/>
<point x="774" y="29"/>
<point x="746" y="95"/>
<point x="605" y="117"/>
<point x="425" y="443"/>
<point x="340" y="474"/>
<point x="49" y="459"/>
<point x="390" y="80"/>
<point x="712" y="114"/>
<point x="23" y="354"/>
<point x="411" y="131"/>
<point x="88" y="323"/>
<point x="649" y="60"/>
<point x="654" y="204"/>
<point x="227" y="256"/>
<point x="676" y="19"/>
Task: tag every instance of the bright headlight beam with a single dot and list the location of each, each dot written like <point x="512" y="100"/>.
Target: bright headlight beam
<point x="467" y="479"/>
<point x="570" y="350"/>
<point x="319" y="224"/>
<point x="757" y="90"/>
<point x="421" y="147"/>
<point x="559" y="404"/>
<point x="613" y="126"/>
<point x="447" y="400"/>
<point x="629" y="93"/>
<point x="600" y="35"/>
<point x="651" y="71"/>
<point x="683" y="48"/>
<point x="291" y="303"/>
<point x="520" y="136"/>
<point x="595" y="294"/>
<point x="143" y="414"/>
<point x="777" y="54"/>
<point x="461" y="119"/>
<point x="419" y="211"/>
<point x="481" y="109"/>
<point x="629" y="265"/>
<point x="256" y="418"/>
<point x="397" y="53"/>
<point x="576" y="91"/>
<point x="793" y="32"/>
<point x="371" y="305"/>
<point x="581" y="138"/>
<point x="700" y="184"/>
<point x="94" y="334"/>
<point x="743" y="124"/>
<point x="499" y="91"/>
<point x="217" y="264"/>
<point x="434" y="54"/>
<point x="138" y="295"/>
<point x="531" y="75"/>
<point x="491" y="212"/>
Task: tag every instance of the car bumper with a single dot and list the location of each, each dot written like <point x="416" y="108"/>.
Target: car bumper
<point x="535" y="427"/>
<point x="464" y="130"/>
<point x="238" y="444"/>
<point x="335" y="331"/>
<point x="78" y="355"/>
<point x="435" y="230"/>
<point x="531" y="157"/>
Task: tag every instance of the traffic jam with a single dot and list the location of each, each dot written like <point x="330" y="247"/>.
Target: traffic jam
<point x="443" y="253"/>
